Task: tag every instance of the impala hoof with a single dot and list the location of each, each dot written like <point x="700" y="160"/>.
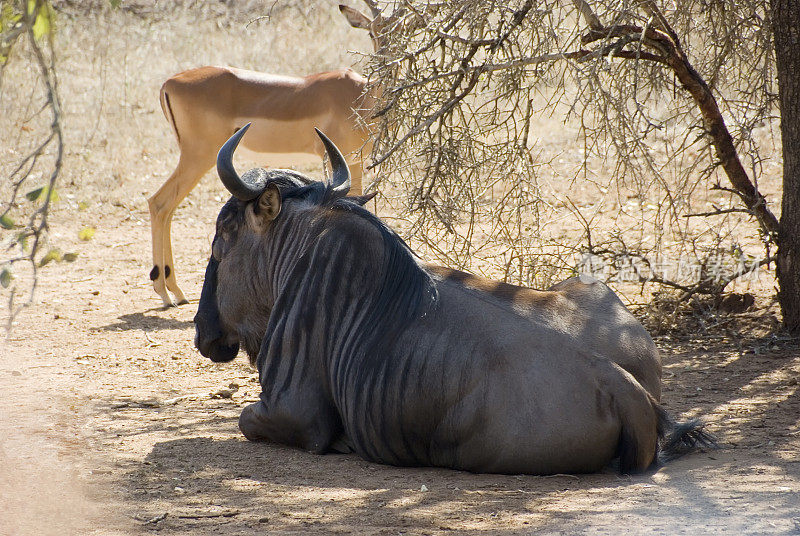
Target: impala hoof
<point x="166" y="300"/>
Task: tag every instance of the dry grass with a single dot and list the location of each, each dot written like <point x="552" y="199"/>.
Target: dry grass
<point x="112" y="63"/>
<point x="87" y="372"/>
<point x="120" y="149"/>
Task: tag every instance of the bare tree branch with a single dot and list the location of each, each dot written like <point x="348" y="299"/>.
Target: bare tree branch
<point x="30" y="240"/>
<point x="458" y="157"/>
<point x="588" y="15"/>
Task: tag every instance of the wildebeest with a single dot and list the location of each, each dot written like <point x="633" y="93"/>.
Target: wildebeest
<point x="360" y="347"/>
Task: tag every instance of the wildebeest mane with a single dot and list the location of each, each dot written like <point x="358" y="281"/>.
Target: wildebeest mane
<point x="406" y="290"/>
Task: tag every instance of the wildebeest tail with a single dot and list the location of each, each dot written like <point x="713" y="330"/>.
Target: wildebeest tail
<point x="637" y="446"/>
<point x="678" y="438"/>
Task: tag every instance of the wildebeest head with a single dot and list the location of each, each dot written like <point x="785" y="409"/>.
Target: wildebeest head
<point x="252" y="231"/>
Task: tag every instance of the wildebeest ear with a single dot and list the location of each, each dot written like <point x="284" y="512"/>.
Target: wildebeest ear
<point x="265" y="209"/>
<point x="362" y="199"/>
<point x="355" y="17"/>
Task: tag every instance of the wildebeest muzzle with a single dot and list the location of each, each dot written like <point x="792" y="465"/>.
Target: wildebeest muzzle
<point x="209" y="337"/>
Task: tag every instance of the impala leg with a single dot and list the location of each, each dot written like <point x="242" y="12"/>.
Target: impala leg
<point x="162" y="204"/>
<point x="357" y="167"/>
<point x="171" y="281"/>
<point x="356" y="174"/>
<point x="157" y="272"/>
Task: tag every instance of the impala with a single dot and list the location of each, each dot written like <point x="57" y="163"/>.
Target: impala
<point x="206" y="105"/>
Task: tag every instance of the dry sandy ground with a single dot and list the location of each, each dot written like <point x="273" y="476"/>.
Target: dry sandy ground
<point x="111" y="423"/>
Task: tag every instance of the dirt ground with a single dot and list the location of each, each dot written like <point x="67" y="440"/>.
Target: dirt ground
<point x="111" y="423"/>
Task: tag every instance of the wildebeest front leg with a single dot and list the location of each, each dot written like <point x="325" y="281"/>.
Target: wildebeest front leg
<point x="254" y="422"/>
<point x="342" y="445"/>
<point x="295" y="406"/>
<point x="312" y="430"/>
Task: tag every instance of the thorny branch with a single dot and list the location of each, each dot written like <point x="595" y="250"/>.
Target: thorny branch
<point x="666" y="41"/>
<point x="454" y="149"/>
<point x="458" y="78"/>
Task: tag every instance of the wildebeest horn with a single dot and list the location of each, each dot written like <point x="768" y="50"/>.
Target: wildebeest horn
<point x="340" y="176"/>
<point x="241" y="189"/>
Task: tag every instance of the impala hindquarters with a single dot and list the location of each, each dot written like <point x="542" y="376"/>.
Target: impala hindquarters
<point x="206" y="105"/>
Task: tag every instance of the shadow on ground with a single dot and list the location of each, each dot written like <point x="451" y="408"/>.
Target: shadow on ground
<point x="142" y="321"/>
<point x="286" y="490"/>
<point x="208" y="479"/>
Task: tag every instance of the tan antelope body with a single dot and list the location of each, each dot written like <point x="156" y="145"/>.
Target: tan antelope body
<point x="206" y="105"/>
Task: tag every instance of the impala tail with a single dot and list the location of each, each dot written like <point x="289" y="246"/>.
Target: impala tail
<point x="166" y="107"/>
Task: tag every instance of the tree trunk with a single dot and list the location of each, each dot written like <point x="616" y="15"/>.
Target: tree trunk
<point x="786" y="30"/>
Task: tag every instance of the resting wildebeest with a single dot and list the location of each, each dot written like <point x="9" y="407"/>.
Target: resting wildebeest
<point x="359" y="347"/>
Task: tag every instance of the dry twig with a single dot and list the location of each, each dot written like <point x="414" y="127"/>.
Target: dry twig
<point x="455" y="151"/>
<point x="27" y="241"/>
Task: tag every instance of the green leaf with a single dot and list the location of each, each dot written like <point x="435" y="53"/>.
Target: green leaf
<point x="83" y="205"/>
<point x="70" y="257"/>
<point x="8" y="17"/>
<point x="44" y="19"/>
<point x="52" y="255"/>
<point x="40" y="194"/>
<point x="5" y="277"/>
<point x="86" y="234"/>
<point x="9" y="20"/>
<point x="115" y="3"/>
<point x="22" y="240"/>
<point x="6" y="222"/>
<point x="34" y="195"/>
